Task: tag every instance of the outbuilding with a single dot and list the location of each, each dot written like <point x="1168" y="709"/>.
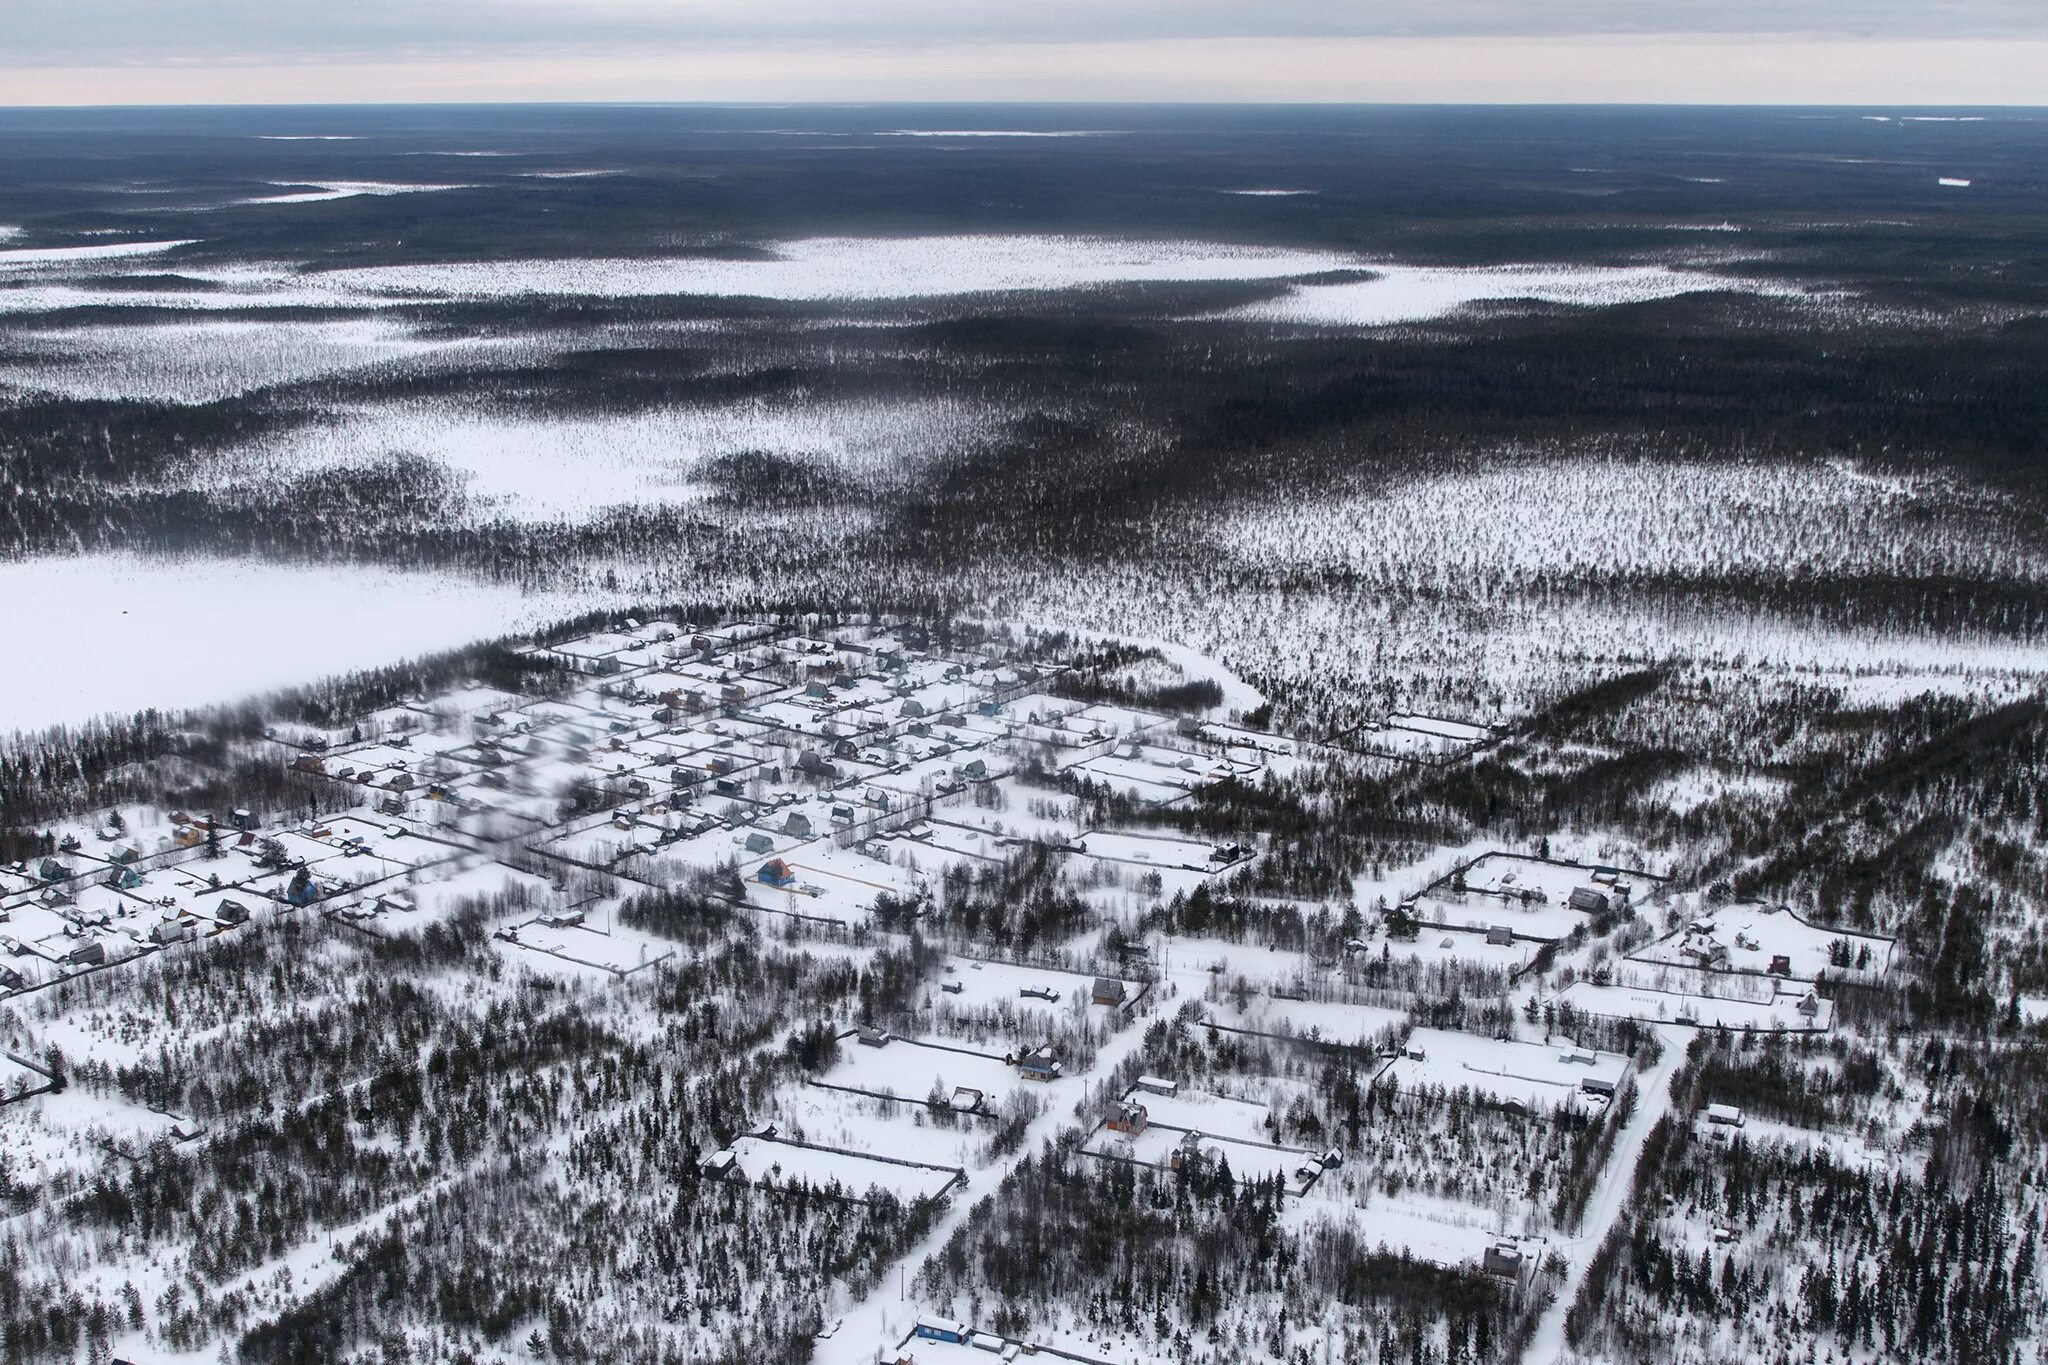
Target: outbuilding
<point x="941" y="1329"/>
<point x="1726" y="1115"/>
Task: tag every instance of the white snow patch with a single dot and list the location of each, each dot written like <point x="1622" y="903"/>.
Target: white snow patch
<point x="1953" y="182"/>
<point x="200" y="361"/>
<point x="327" y="190"/>
<point x="1269" y="194"/>
<point x="575" y="469"/>
<point x="998" y="132"/>
<point x="855" y="268"/>
<point x="59" y="255"/>
<point x="1401" y="293"/>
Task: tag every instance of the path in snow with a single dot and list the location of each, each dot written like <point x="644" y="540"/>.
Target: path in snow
<point x="886" y="1317"/>
<point x="1653" y="1101"/>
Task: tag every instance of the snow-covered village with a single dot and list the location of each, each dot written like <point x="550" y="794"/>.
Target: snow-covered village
<point x="1356" y="720"/>
<point x="928" y="988"/>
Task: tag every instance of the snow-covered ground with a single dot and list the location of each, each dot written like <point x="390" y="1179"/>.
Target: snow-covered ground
<point x="193" y="362"/>
<point x="853" y="268"/>
<point x="1404" y="293"/>
<point x="512" y="465"/>
<point x="326" y="190"/>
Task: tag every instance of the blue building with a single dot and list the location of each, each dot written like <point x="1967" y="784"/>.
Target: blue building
<point x="941" y="1329"/>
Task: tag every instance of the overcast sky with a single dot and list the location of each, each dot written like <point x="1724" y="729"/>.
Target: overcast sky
<point x="1793" y="51"/>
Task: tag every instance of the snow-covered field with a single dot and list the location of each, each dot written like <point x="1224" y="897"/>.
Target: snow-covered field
<point x="1518" y="519"/>
<point x="1537" y="1077"/>
<point x="1403" y="293"/>
<point x="514" y="466"/>
<point x="883" y="268"/>
<point x="780" y="1164"/>
<point x="201" y="361"/>
<point x="326" y="190"/>
<point x="851" y="268"/>
<point x="28" y="257"/>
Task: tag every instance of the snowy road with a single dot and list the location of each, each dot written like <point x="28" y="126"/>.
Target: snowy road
<point x="1603" y="1211"/>
<point x="886" y="1316"/>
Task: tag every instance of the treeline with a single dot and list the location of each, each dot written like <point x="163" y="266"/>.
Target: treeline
<point x="202" y="759"/>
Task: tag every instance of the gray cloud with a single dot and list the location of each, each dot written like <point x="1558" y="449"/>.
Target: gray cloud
<point x="156" y="33"/>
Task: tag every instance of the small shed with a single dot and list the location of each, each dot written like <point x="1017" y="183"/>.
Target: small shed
<point x="1589" y="900"/>
<point x="1500" y="936"/>
<point x="1726" y="1115"/>
<point x="757" y="842"/>
<point x="1158" y="1085"/>
<point x="870" y="1036"/>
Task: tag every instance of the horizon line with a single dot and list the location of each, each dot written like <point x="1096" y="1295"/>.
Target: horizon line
<point x="1219" y="103"/>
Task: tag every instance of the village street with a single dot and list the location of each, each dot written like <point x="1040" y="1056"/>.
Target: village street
<point x="1604" y="1210"/>
<point x="887" y="1315"/>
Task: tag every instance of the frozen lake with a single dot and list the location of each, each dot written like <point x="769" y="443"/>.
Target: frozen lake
<point x="192" y="632"/>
